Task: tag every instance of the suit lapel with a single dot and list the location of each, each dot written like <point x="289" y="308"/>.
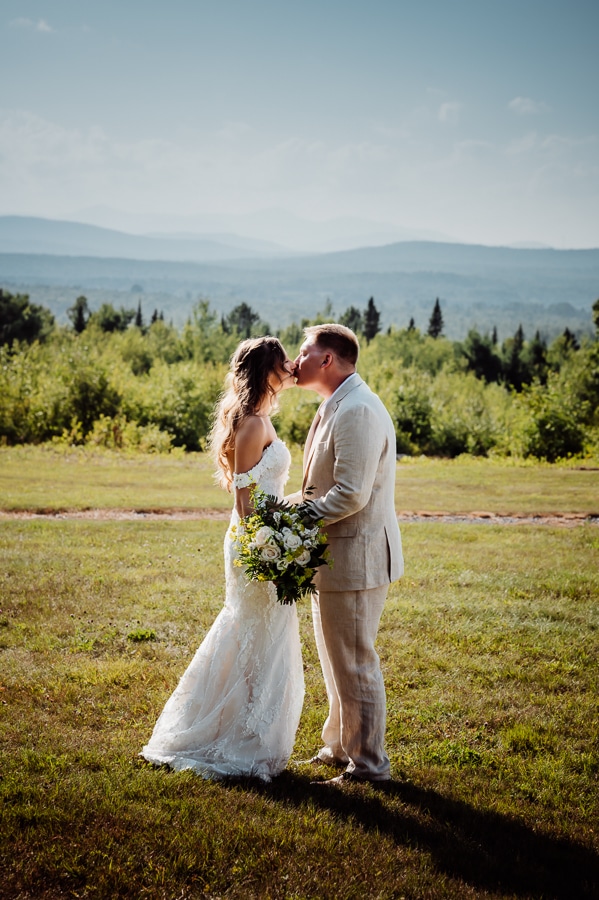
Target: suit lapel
<point x="311" y="433"/>
<point x="323" y="416"/>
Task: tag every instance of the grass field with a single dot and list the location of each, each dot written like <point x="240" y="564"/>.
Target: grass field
<point x="77" y="478"/>
<point x="489" y="646"/>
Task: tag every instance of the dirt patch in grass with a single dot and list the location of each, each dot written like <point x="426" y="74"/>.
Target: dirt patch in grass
<point x="489" y="518"/>
<point x="183" y="514"/>
<point x="117" y="514"/>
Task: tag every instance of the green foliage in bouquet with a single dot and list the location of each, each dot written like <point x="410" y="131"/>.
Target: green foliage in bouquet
<point x="281" y="543"/>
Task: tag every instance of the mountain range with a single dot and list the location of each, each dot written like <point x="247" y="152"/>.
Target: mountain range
<point x="480" y="286"/>
<point x="23" y="234"/>
<point x="275" y="226"/>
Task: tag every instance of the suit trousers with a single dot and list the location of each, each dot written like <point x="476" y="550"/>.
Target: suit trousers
<point x="345" y="628"/>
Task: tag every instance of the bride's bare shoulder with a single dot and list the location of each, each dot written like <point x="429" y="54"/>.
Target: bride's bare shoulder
<point x="252" y="428"/>
<point x="250" y="440"/>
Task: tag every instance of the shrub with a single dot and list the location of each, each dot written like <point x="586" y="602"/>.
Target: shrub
<point x="178" y="399"/>
<point x="295" y="416"/>
<point x="553" y="433"/>
<point x="412" y="416"/>
<point x="468" y="415"/>
<point x="21" y="320"/>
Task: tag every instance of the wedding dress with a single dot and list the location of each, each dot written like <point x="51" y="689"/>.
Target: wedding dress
<point x="236" y="709"/>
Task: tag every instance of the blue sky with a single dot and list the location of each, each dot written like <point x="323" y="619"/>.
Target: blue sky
<point x="475" y="120"/>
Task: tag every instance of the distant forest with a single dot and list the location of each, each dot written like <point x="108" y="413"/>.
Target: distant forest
<point x="127" y="378"/>
<point x="479" y="287"/>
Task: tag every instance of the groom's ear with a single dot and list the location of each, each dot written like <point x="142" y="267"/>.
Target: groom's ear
<point x="326" y="361"/>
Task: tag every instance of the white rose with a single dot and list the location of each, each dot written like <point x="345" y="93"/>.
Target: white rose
<point x="303" y="559"/>
<point x="270" y="552"/>
<point x="263" y="535"/>
<point x="292" y="541"/>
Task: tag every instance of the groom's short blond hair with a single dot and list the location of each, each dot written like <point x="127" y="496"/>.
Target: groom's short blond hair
<point x="337" y="338"/>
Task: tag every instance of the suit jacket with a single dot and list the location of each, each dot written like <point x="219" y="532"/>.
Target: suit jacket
<point x="351" y="465"/>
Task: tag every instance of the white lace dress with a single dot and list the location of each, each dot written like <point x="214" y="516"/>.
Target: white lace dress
<point x="236" y="709"/>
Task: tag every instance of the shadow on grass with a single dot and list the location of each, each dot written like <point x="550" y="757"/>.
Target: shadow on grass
<point x="485" y="850"/>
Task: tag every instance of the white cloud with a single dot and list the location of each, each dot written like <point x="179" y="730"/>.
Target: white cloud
<point x="42" y="163"/>
<point x="561" y="143"/>
<point x="40" y="25"/>
<point x="415" y="180"/>
<point x="524" y="144"/>
<point x="472" y="149"/>
<point x="233" y="131"/>
<point x="554" y="146"/>
<point x="449" y="112"/>
<point x="524" y="106"/>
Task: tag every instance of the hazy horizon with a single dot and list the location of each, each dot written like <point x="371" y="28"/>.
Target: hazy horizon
<point x="472" y="123"/>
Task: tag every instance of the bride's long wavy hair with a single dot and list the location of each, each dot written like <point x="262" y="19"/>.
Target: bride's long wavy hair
<point x="246" y="388"/>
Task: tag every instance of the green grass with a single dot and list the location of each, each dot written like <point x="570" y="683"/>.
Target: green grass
<point x="79" y="478"/>
<point x="489" y="646"/>
<point x="504" y="487"/>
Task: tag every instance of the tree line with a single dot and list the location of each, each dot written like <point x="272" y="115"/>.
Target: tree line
<point x="112" y="378"/>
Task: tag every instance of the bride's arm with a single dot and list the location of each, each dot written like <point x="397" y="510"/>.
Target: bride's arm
<point x="249" y="447"/>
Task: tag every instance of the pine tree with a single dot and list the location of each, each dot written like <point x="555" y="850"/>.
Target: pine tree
<point x="244" y="319"/>
<point x="570" y="340"/>
<point x="481" y="356"/>
<point x="352" y="318"/>
<point x="535" y="359"/>
<point x="371" y="321"/>
<point x="514" y="368"/>
<point x="139" y="319"/>
<point x="79" y="314"/>
<point x="412" y="325"/>
<point x="435" y="325"/>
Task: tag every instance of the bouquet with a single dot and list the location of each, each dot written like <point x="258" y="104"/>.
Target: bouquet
<point x="281" y="543"/>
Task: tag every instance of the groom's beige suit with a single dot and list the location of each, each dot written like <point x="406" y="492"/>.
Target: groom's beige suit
<point x="350" y="461"/>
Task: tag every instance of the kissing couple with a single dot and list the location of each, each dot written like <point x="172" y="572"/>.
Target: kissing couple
<point x="236" y="709"/>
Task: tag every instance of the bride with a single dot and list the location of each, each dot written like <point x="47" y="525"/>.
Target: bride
<point x="236" y="709"/>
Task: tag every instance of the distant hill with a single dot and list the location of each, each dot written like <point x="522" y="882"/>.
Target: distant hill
<point x="272" y="224"/>
<point x="478" y="286"/>
<point x="22" y="234"/>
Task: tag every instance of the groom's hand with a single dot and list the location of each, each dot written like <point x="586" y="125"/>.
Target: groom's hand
<point x="306" y="509"/>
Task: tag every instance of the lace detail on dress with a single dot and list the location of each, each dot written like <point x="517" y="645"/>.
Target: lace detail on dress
<point x="270" y="472"/>
<point x="243" y="480"/>
<point x="236" y="709"/>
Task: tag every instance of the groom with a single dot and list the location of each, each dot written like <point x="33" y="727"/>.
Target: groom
<point x="349" y="459"/>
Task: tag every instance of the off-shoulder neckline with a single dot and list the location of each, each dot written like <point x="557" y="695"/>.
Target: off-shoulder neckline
<point x="277" y="440"/>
